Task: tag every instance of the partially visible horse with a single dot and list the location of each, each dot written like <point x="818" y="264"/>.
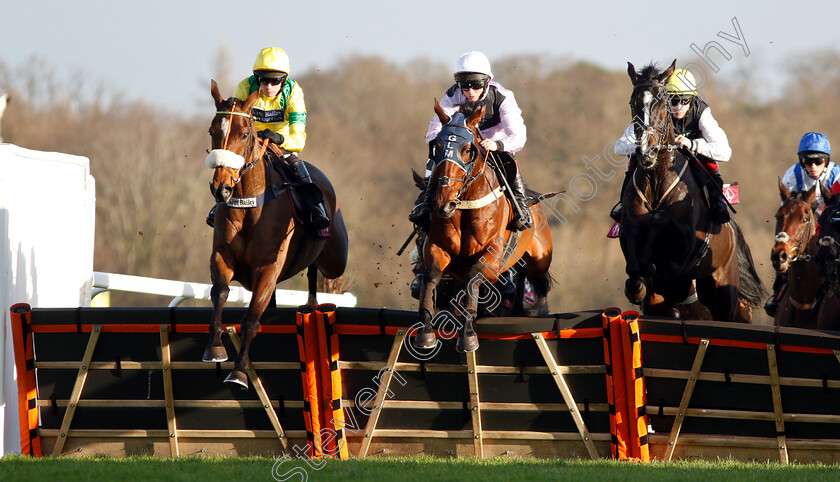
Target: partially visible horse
<point x="828" y="266"/>
<point x="469" y="236"/>
<point x="666" y="236"/>
<point x="256" y="239"/>
<point x="793" y="254"/>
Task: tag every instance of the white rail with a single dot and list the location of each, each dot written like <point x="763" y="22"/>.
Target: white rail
<point x="181" y="290"/>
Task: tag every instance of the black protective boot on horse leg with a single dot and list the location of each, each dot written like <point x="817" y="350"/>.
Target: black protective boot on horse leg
<point x="317" y="215"/>
<point x="615" y="213"/>
<point x="772" y="304"/>
<point x="423" y="216"/>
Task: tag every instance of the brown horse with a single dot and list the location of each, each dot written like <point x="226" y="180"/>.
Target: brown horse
<point x="469" y="236"/>
<point x="793" y="254"/>
<point x="666" y="237"/>
<point x="256" y="239"/>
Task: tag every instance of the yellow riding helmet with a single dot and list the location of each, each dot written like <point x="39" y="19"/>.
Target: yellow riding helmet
<point x="681" y="82"/>
<point x="272" y="59"/>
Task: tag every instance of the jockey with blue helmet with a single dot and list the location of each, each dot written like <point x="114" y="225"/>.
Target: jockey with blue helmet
<point x="814" y="168"/>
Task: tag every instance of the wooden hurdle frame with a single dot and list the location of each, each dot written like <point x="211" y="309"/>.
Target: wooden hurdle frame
<point x="535" y="388"/>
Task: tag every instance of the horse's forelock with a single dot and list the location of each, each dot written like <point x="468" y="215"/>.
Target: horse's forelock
<point x="648" y="73"/>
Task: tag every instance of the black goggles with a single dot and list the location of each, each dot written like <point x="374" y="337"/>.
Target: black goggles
<point x="472" y="84"/>
<point x="812" y="160"/>
<point x="677" y="100"/>
<point x="271" y="80"/>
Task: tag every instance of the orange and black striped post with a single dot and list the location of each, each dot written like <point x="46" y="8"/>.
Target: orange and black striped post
<point x="30" y="440"/>
<point x="308" y="347"/>
<point x="332" y="389"/>
<point x="635" y="383"/>
<point x="616" y="391"/>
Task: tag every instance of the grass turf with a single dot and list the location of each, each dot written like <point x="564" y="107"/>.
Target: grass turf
<point x="424" y="469"/>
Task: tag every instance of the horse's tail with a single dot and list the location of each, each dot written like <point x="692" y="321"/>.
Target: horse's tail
<point x="750" y="288"/>
<point x="542" y="284"/>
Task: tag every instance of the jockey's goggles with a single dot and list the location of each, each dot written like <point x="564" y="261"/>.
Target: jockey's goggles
<point x="678" y="100"/>
<point x="271" y="81"/>
<point x="812" y="160"/>
<point x="474" y="85"/>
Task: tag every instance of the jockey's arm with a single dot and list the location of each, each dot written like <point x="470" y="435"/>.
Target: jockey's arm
<point x="296" y="116"/>
<point x="512" y="136"/>
<point x="714" y="143"/>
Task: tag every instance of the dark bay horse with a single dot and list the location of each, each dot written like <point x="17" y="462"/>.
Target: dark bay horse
<point x="469" y="236"/>
<point x="793" y="254"/>
<point x="256" y="239"/>
<point x="827" y="303"/>
<point x="666" y="237"/>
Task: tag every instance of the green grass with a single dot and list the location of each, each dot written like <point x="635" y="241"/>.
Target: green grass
<point x="423" y="469"/>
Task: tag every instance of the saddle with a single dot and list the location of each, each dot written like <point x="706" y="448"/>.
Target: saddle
<point x="304" y="195"/>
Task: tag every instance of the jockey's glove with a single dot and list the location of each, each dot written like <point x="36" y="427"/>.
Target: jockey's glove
<point x="271" y="136"/>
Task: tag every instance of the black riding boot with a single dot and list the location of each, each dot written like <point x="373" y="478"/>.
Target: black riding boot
<point x="718" y="210"/>
<point x="522" y="215"/>
<point x="318" y="215"/>
<point x="422" y="213"/>
<point x="772" y="303"/>
<point x="211" y="217"/>
<point x="615" y="213"/>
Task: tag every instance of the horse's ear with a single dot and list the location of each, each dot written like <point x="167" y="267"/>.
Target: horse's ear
<point x="631" y="71"/>
<point x="668" y="72"/>
<point x="811" y="195"/>
<point x="250" y="101"/>
<point x="214" y="91"/>
<point x="444" y="119"/>
<point x="783" y="191"/>
<point x="472" y="120"/>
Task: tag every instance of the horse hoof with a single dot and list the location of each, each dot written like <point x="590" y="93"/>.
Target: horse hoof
<point x="214" y="354"/>
<point x="467" y="344"/>
<point x="425" y="340"/>
<point x="237" y="378"/>
<point x="634" y="291"/>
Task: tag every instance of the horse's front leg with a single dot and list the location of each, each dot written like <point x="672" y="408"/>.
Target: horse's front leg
<point x="264" y="284"/>
<point x="634" y="286"/>
<point x="435" y="263"/>
<point x="221" y="276"/>
<point x="312" y="279"/>
<point x="468" y="339"/>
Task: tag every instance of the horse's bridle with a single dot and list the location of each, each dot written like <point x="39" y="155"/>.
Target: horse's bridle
<point x="646" y="126"/>
<point x="450" y="154"/>
<point x="237" y="174"/>
<point x="783" y="237"/>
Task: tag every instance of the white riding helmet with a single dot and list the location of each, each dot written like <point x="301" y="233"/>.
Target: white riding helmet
<point x="473" y="61"/>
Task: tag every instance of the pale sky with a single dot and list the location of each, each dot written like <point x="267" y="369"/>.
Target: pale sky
<point x="163" y="51"/>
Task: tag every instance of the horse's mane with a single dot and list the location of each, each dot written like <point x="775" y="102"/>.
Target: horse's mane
<point x="469" y="108"/>
<point x="230" y="103"/>
<point x="648" y="72"/>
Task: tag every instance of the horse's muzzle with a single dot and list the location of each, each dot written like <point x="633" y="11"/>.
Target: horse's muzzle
<point x="222" y="193"/>
<point x="447" y="210"/>
<point x="780" y="259"/>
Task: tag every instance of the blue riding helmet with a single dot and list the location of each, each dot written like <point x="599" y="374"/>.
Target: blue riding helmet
<point x="814" y="142"/>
